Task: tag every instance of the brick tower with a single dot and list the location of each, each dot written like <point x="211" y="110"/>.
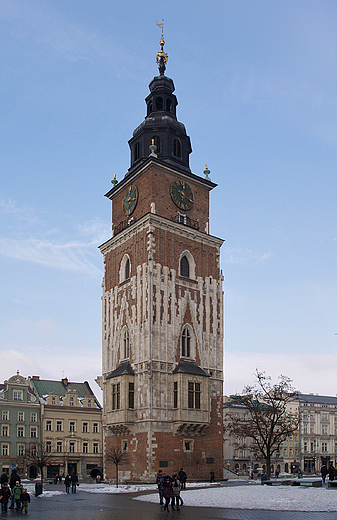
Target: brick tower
<point x="162" y="306"/>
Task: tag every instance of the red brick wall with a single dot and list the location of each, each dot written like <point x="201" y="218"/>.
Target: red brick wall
<point x="170" y="448"/>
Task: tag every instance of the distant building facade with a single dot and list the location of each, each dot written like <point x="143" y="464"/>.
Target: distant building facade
<point x="306" y="450"/>
<point x="71" y="426"/>
<point x="20" y="415"/>
<point x="62" y="417"/>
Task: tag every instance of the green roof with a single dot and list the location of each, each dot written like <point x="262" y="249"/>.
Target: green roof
<point x="45" y="387"/>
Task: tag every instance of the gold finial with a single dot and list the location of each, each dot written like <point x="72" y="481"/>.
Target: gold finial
<point x="161" y="55"/>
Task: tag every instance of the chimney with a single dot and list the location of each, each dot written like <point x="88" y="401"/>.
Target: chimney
<point x="65" y="381"/>
<point x="36" y="378"/>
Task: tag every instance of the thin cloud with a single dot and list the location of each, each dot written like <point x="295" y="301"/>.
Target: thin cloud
<point x="69" y="257"/>
<point x="237" y="255"/>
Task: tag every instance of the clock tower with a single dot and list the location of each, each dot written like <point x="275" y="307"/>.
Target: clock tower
<point x="162" y="306"/>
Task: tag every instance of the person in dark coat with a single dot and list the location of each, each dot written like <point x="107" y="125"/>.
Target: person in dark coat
<point x="24" y="499"/>
<point x="5" y="494"/>
<point x="331" y="472"/>
<point x="324" y="472"/>
<point x="167" y="491"/>
<point x="67" y="483"/>
<point x="74" y="482"/>
<point x="182" y="476"/>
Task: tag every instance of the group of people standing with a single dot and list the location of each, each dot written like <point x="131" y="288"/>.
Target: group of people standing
<point x="71" y="481"/>
<point x="169" y="489"/>
<point x="13" y="491"/>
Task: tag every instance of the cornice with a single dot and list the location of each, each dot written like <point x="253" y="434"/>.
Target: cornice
<point x="151" y="219"/>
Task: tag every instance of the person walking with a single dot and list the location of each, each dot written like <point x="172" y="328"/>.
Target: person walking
<point x="182" y="476"/>
<point x="17" y="490"/>
<point x="176" y="486"/>
<point x="212" y="476"/>
<point x="24" y="499"/>
<point x="4" y="477"/>
<point x="74" y="482"/>
<point x="324" y="472"/>
<point x="159" y="481"/>
<point x="5" y="494"/>
<point x="67" y="483"/>
<point x="167" y="491"/>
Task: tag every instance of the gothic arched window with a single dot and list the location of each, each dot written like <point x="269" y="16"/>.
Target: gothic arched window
<point x="184" y="267"/>
<point x="127" y="269"/>
<point x="186" y="343"/>
<point x="126" y="344"/>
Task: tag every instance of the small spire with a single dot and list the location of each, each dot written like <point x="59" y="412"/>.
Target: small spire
<point x="153" y="149"/>
<point x="114" y="181"/>
<point x="161" y="55"/>
<point x="207" y="172"/>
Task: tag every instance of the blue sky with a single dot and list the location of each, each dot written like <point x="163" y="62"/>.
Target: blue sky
<point x="256" y="85"/>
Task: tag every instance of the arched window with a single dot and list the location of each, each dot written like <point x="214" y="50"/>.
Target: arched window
<point x="71" y="401"/>
<point x="186" y="343"/>
<point x="159" y="103"/>
<point x="127" y="269"/>
<point x="176" y="148"/>
<point x="149" y="108"/>
<point x="156" y="141"/>
<point x="184" y="267"/>
<point x="168" y="105"/>
<point x="137" y="151"/>
<point x="126" y="344"/>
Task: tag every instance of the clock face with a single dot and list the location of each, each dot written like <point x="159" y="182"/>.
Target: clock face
<point x="182" y="195"/>
<point x="130" y="200"/>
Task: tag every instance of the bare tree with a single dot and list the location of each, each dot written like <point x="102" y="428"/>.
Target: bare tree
<point x="37" y="454"/>
<point x="269" y="418"/>
<point x="117" y="456"/>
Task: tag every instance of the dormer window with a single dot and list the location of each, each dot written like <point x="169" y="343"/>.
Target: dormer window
<point x="137" y="151"/>
<point x="53" y="400"/>
<point x="184" y="267"/>
<point x="71" y="401"/>
<point x="176" y="148"/>
<point x="159" y="103"/>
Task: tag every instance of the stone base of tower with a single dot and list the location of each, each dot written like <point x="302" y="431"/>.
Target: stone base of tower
<point x="156" y="448"/>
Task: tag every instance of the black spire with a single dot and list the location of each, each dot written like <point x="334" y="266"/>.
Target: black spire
<point x="161" y="130"/>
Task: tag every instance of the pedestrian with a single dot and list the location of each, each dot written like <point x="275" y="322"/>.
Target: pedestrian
<point x="324" y="472"/>
<point x="159" y="481"/>
<point x="17" y="490"/>
<point x="167" y="491"/>
<point x="212" y="476"/>
<point x="176" y="486"/>
<point x="67" y="482"/>
<point x="74" y="482"/>
<point x="5" y="494"/>
<point x="331" y="472"/>
<point x="60" y="479"/>
<point x="24" y="499"/>
<point x="182" y="476"/>
<point x="14" y="478"/>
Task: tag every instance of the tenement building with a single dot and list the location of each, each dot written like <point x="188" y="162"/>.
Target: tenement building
<point x="162" y="305"/>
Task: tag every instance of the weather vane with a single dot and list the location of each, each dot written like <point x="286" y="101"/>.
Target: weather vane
<point x="161" y="55"/>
